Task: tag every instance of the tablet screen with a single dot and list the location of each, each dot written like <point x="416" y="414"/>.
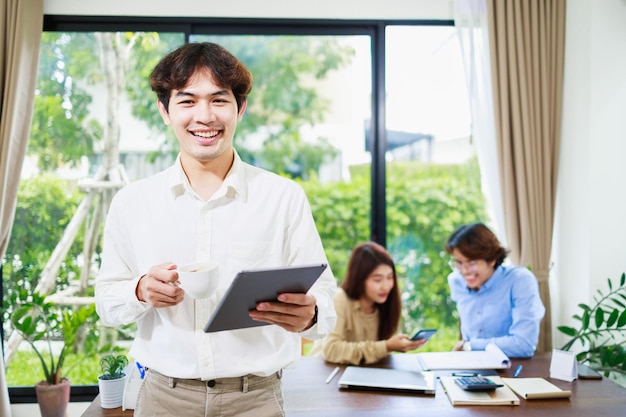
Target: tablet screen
<point x="253" y="286"/>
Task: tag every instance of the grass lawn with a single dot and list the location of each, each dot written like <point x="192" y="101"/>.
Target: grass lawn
<point x="25" y="369"/>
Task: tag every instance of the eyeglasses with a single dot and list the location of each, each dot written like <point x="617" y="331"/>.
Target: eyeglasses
<point x="458" y="265"/>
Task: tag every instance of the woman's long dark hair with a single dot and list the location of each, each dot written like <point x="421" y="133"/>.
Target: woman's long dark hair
<point x="365" y="258"/>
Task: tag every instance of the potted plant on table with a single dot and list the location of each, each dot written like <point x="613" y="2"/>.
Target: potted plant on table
<point x="40" y="323"/>
<point x="112" y="381"/>
<point x="597" y="331"/>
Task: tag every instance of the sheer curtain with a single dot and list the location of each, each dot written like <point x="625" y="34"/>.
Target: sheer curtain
<point x="470" y="20"/>
<point x="526" y="52"/>
<point x="21" y="23"/>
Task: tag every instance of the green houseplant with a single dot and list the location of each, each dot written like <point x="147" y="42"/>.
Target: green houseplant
<point x="41" y="323"/>
<point x="112" y="366"/>
<point x="112" y="381"/>
<point x="601" y="331"/>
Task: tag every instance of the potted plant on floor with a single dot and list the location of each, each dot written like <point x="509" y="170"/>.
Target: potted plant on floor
<point x="596" y="334"/>
<point x="40" y="323"/>
<point x="112" y="381"/>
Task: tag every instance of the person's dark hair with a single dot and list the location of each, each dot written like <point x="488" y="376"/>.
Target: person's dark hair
<point x="176" y="68"/>
<point x="476" y="241"/>
<point x="365" y="258"/>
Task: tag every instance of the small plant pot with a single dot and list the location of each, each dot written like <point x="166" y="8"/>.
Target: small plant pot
<point x="53" y="399"/>
<point x="112" y="391"/>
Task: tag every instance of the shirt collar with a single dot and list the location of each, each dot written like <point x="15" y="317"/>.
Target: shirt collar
<point x="498" y="273"/>
<point x="234" y="182"/>
<point x="356" y="306"/>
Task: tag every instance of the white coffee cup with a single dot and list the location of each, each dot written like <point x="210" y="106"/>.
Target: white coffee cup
<point x="198" y="279"/>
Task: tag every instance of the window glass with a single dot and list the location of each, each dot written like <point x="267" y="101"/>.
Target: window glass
<point x="433" y="181"/>
<point x="306" y="118"/>
<point x="95" y="127"/>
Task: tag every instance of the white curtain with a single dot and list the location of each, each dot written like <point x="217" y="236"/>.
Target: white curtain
<point x="471" y="22"/>
<point x="21" y="23"/>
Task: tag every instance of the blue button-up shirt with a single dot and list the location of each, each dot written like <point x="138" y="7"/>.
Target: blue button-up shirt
<point x="506" y="310"/>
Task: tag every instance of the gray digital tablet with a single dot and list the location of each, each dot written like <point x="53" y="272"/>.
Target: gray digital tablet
<point x="253" y="286"/>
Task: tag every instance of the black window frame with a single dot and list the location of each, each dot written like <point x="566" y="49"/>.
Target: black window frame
<point x="253" y="26"/>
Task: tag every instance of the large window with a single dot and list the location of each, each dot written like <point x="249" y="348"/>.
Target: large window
<point x="432" y="177"/>
<point x="370" y="118"/>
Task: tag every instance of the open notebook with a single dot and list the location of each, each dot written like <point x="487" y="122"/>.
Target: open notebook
<point x="535" y="388"/>
<point x="384" y="379"/>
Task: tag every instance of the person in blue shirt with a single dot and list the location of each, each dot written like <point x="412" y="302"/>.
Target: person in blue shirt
<point x="496" y="303"/>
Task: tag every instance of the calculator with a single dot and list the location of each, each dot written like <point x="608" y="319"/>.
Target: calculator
<point x="476" y="383"/>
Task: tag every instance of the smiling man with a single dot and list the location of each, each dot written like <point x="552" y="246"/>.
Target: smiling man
<point x="209" y="206"/>
<point x="496" y="303"/>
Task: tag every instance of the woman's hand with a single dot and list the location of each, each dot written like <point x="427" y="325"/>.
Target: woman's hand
<point x="402" y="343"/>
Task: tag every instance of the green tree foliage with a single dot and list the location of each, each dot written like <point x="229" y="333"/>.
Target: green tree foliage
<point x="425" y="203"/>
<point x="61" y="130"/>
<point x="342" y="215"/>
<point x="146" y="54"/>
<point x="285" y="98"/>
<point x="45" y="205"/>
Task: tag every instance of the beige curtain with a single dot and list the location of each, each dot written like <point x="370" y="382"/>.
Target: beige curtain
<point x="527" y="44"/>
<point x="21" y="23"/>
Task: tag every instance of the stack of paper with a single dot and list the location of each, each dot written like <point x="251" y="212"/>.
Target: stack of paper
<point x="459" y="396"/>
<point x="490" y="358"/>
<point x="535" y="388"/>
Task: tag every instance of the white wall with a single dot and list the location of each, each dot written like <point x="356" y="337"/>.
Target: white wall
<point x="32" y="410"/>
<point x="319" y="9"/>
<point x="591" y="225"/>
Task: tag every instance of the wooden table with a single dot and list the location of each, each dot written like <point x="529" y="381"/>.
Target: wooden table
<point x="306" y="395"/>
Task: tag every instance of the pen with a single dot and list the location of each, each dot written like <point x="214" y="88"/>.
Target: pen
<point x="518" y="370"/>
<point x="465" y="374"/>
<point x="332" y="375"/>
<point x="142" y="371"/>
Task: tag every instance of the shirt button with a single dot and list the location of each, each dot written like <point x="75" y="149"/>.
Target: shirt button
<point x="211" y="383"/>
